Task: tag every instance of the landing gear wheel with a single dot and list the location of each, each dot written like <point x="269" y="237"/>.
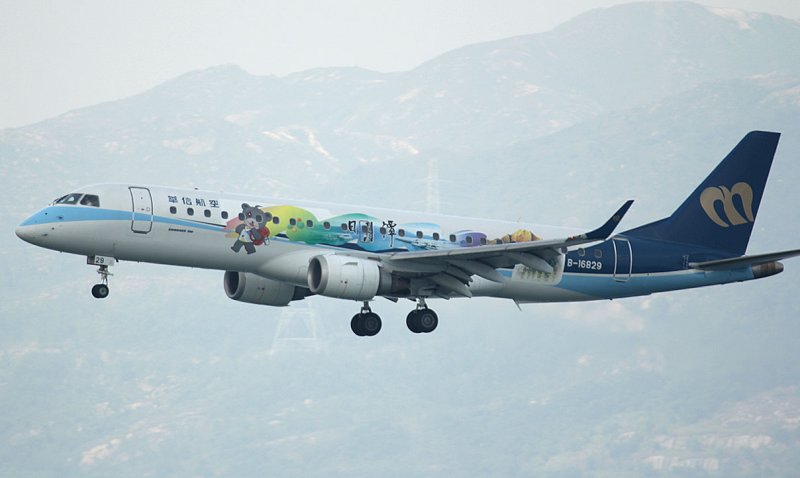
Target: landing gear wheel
<point x="422" y="321"/>
<point x="355" y="325"/>
<point x="411" y="321"/>
<point x="371" y="324"/>
<point x="427" y="320"/>
<point x="366" y="324"/>
<point x="100" y="291"/>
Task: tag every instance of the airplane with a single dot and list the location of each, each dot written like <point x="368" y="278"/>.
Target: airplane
<point x="276" y="251"/>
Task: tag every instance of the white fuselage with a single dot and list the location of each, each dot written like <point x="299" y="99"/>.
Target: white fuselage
<point x="195" y="228"/>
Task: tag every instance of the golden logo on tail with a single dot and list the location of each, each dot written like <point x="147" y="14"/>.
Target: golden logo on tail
<point x="711" y="195"/>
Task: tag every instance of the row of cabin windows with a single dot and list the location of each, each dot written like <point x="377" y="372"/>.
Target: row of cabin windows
<point x="190" y="212"/>
<point x="327" y="226"/>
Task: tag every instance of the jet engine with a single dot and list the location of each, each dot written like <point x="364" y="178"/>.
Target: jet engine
<point x="254" y="289"/>
<point x="346" y="277"/>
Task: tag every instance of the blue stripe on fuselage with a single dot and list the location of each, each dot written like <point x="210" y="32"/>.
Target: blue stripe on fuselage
<point x="85" y="213"/>
<point x="604" y="286"/>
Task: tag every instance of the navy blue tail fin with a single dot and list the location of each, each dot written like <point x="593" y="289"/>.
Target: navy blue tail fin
<point x="720" y="213"/>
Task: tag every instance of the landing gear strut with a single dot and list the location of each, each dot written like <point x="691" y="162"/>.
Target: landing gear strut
<point x="100" y="291"/>
<point x="422" y="320"/>
<point x="366" y="323"/>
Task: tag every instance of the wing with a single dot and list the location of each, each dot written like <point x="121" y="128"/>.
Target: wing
<point x="451" y="269"/>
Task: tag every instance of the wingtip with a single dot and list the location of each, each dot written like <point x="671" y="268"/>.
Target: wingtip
<point x="606" y="229"/>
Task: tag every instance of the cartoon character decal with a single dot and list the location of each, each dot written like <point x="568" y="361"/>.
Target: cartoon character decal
<point x="253" y="230"/>
<point x="352" y="231"/>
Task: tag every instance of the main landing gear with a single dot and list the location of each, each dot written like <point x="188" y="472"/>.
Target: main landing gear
<point x="421" y="320"/>
<point x="100" y="291"/>
<point x="366" y="323"/>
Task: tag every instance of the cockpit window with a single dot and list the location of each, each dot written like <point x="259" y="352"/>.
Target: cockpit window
<point x="69" y="199"/>
<point x="91" y="200"/>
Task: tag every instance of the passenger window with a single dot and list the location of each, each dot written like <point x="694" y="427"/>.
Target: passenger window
<point x="309" y="223"/>
<point x="207" y="213"/>
<point x="419" y="234"/>
<point x="364" y="228"/>
<point x="401" y="232"/>
<point x="598" y="253"/>
<point x="581" y="252"/>
<point x="435" y="236"/>
<point x="344" y="226"/>
<point x="292" y="222"/>
<point x="383" y="231"/>
<point x="91" y="200"/>
<point x="173" y="209"/>
<point x="452" y="238"/>
<point x="224" y="214"/>
<point x="483" y="241"/>
<point x="326" y="225"/>
<point x="469" y="239"/>
<point x="190" y="211"/>
<point x="276" y="220"/>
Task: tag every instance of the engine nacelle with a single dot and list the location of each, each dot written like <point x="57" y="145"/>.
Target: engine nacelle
<point x="254" y="289"/>
<point x="346" y="277"/>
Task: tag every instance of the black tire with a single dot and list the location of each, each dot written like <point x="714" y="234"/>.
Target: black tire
<point x="371" y="324"/>
<point x="427" y="321"/>
<point x="100" y="291"/>
<point x="356" y="325"/>
<point x="412" y="321"/>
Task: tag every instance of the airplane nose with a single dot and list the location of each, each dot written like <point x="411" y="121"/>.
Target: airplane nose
<point x="24" y="232"/>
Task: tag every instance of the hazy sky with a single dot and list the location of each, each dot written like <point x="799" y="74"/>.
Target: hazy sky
<point x="57" y="56"/>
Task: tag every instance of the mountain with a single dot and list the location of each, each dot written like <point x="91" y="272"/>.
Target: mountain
<point x="169" y="377"/>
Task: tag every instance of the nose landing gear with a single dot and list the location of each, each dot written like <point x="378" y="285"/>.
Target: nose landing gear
<point x="100" y="291"/>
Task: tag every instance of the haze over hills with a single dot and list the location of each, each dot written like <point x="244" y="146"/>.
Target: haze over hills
<point x="168" y="376"/>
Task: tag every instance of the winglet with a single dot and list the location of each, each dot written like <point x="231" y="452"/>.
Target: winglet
<point x="606" y="229"/>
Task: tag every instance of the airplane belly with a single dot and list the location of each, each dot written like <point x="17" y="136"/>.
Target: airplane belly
<point x="527" y="291"/>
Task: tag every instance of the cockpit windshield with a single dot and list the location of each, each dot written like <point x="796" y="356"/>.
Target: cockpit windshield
<point x="90" y="200"/>
<point x="69" y="199"/>
<point x="78" y="198"/>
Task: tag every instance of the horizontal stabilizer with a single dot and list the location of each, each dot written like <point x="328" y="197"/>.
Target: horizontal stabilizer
<point x="744" y="261"/>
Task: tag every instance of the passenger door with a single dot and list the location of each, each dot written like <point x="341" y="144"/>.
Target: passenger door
<point x="142" y="203"/>
<point x="623" y="259"/>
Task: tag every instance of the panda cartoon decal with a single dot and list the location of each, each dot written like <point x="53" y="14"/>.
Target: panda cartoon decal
<point x="253" y="231"/>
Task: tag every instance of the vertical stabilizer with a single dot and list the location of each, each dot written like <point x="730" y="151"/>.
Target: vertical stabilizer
<point x="720" y="213"/>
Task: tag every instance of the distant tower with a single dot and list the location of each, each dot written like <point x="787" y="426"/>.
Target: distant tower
<point x="298" y="328"/>
<point x="433" y="205"/>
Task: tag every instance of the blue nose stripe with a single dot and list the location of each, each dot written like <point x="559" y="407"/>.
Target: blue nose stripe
<point x="56" y="214"/>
